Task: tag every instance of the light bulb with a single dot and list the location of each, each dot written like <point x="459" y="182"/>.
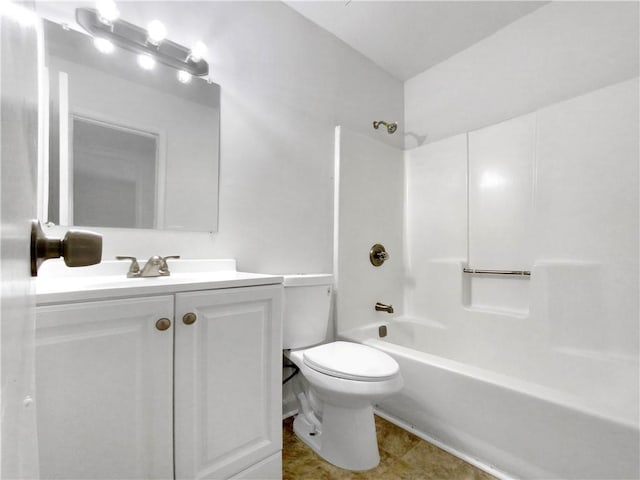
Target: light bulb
<point x="146" y="62"/>
<point x="103" y="45"/>
<point x="18" y="13"/>
<point x="107" y="11"/>
<point x="156" y="32"/>
<point x="184" y="77"/>
<point x="198" y="51"/>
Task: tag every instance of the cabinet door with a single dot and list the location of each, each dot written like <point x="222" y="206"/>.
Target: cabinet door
<point x="228" y="381"/>
<point x="104" y="389"/>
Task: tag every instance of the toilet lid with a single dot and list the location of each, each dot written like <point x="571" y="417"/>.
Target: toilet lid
<point x="351" y="361"/>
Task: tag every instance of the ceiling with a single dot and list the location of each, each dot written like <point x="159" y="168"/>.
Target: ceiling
<point x="406" y="38"/>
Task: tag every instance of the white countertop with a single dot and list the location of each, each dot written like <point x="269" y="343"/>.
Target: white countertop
<point x="58" y="284"/>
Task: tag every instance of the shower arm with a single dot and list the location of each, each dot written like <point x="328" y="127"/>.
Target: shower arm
<point x="391" y="127"/>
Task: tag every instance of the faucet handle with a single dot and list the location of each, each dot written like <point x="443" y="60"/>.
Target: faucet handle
<point x="134" y="268"/>
<point x="164" y="268"/>
<point x="384" y="256"/>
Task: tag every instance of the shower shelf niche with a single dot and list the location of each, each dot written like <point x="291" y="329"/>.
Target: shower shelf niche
<point x="506" y="292"/>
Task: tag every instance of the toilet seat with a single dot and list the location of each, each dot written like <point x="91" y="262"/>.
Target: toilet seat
<point x="351" y="361"/>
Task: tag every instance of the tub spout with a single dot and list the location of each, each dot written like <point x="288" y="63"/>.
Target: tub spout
<point x="381" y="307"/>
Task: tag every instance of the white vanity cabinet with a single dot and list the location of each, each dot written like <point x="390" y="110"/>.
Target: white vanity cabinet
<point x="118" y="398"/>
<point x="104" y="376"/>
<point x="227" y="411"/>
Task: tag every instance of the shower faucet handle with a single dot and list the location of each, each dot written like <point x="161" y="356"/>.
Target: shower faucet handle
<point x="382" y="256"/>
<point x="378" y="255"/>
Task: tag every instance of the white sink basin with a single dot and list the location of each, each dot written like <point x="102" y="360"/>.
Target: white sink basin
<point x="57" y="283"/>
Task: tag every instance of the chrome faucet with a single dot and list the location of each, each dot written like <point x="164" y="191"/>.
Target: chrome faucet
<point x="156" y="266"/>
<point x="153" y="268"/>
<point x="381" y="307"/>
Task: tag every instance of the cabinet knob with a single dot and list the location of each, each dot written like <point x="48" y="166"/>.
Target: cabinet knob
<point x="189" y="318"/>
<point x="163" y="324"/>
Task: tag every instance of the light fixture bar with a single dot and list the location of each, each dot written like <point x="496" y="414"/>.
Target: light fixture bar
<point x="135" y="39"/>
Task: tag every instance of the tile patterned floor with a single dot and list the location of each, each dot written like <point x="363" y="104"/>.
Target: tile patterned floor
<point x="403" y="456"/>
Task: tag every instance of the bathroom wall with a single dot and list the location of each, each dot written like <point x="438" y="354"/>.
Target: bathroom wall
<point x="285" y="84"/>
<point x="559" y="51"/>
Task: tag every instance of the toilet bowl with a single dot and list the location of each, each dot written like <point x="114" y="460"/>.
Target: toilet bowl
<point x="340" y="380"/>
<point x="347" y="379"/>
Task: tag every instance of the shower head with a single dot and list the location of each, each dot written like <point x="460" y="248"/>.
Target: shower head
<point x="391" y="127"/>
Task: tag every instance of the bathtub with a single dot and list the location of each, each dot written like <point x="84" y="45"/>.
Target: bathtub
<point x="570" y="416"/>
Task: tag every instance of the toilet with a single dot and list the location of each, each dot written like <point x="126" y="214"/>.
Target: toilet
<point x="340" y="380"/>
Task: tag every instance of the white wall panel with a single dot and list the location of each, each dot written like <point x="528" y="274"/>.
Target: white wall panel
<point x="587" y="211"/>
<point x="371" y="197"/>
<point x="501" y="183"/>
<point x="435" y="225"/>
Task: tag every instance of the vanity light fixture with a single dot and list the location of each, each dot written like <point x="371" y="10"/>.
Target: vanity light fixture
<point x="148" y="43"/>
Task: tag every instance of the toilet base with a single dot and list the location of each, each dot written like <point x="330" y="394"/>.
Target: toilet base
<point x="347" y="437"/>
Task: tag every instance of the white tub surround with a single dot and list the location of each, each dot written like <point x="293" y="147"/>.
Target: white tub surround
<point x="537" y="376"/>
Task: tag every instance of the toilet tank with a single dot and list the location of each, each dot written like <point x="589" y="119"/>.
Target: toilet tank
<point x="307" y="303"/>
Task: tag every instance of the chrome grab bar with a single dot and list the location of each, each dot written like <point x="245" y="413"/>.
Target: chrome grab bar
<point x="521" y="273"/>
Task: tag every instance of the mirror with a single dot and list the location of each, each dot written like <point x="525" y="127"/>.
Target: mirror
<point x="127" y="147"/>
